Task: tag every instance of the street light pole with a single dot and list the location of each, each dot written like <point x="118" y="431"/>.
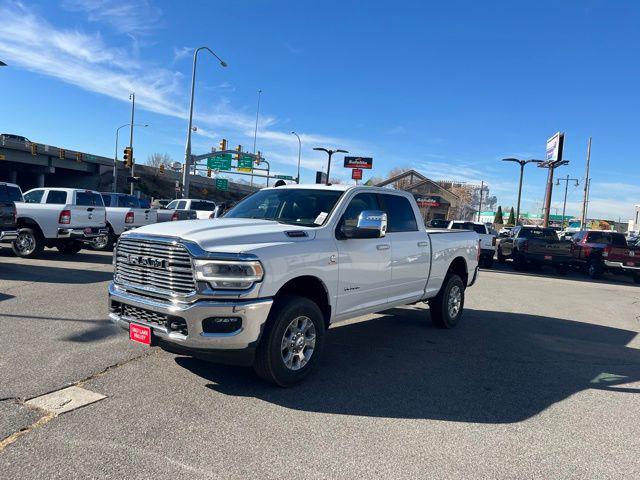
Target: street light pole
<point x="255" y="132"/>
<point x="115" y="158"/>
<point x="299" y="153"/>
<point x="566" y="189"/>
<point x="480" y="204"/>
<point x="132" y="97"/>
<point x="187" y="149"/>
<point x="330" y="153"/>
<point x="522" y="163"/>
<point x="585" y="198"/>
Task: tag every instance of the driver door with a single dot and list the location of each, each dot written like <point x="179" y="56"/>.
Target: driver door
<point x="364" y="263"/>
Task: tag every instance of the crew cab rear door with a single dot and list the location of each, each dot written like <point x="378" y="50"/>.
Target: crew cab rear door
<point x="410" y="250"/>
<point x="87" y="209"/>
<point x="364" y="263"/>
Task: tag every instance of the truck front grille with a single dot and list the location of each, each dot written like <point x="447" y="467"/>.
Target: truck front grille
<point x="169" y="322"/>
<point x="161" y="268"/>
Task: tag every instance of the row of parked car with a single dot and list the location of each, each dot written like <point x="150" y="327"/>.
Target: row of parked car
<point x="70" y="219"/>
<point x="591" y="251"/>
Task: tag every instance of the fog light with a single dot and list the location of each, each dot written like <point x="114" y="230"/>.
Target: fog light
<point x="221" y="324"/>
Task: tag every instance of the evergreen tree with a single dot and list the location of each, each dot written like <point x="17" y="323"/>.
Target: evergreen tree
<point x="512" y="218"/>
<point x="499" y="220"/>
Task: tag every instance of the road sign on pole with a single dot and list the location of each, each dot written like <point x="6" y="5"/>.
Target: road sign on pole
<point x="284" y="177"/>
<point x="219" y="162"/>
<point x="222" y="184"/>
<point x="245" y="164"/>
<point x="356" y="174"/>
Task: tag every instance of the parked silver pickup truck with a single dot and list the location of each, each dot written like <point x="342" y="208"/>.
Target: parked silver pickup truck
<point x="261" y="285"/>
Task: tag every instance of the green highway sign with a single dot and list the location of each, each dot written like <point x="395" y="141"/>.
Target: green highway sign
<point x="284" y="177"/>
<point x="245" y="163"/>
<point x="222" y="184"/>
<point x="219" y="162"/>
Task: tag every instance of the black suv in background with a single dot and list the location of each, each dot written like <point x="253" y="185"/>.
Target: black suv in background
<point x="9" y="194"/>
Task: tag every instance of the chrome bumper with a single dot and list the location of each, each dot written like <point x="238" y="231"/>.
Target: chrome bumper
<point x="8" y="235"/>
<point x="253" y="314"/>
<point x="621" y="266"/>
<point x="89" y="233"/>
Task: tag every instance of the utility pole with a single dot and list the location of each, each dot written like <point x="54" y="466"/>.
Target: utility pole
<point x="566" y="189"/>
<point x="555" y="147"/>
<point x="587" y="180"/>
<point x="132" y="97"/>
<point x="255" y="133"/>
<point x="480" y="206"/>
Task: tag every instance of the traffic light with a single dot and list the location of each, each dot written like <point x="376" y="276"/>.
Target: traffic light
<point x="34" y="149"/>
<point x="128" y="157"/>
<point x="161" y="168"/>
<point x="239" y="150"/>
<point x="78" y="157"/>
<point x="209" y="172"/>
<point x="62" y="154"/>
<point x="258" y="158"/>
<point x="223" y="144"/>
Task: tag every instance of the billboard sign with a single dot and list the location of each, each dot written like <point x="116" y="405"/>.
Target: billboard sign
<point x="428" y="201"/>
<point x="554" y="147"/>
<point x="356" y="174"/>
<point x="358" y="162"/>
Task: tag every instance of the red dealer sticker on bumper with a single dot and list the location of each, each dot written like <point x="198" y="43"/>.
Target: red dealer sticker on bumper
<point x="140" y="334"/>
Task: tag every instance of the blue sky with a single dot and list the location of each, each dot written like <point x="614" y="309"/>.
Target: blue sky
<point x="448" y="88"/>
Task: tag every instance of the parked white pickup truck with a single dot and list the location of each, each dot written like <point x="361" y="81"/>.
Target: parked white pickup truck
<point x="488" y="239"/>
<point x="65" y="218"/>
<point x="204" y="208"/>
<point x="261" y="285"/>
<point x="123" y="213"/>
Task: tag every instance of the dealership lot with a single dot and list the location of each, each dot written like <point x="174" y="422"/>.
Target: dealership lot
<point x="541" y="380"/>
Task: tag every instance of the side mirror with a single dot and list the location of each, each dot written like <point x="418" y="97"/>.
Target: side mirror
<point x="371" y="224"/>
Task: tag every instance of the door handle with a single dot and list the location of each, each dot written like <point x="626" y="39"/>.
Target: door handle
<point x="423" y="244"/>
<point x="383" y="247"/>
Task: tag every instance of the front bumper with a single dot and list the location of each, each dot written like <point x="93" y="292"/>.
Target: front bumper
<point x="253" y="314"/>
<point x="79" y="233"/>
<point x="8" y="235"/>
<point x="621" y="266"/>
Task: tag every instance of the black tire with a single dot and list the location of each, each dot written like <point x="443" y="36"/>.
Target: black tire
<point x="108" y="245"/>
<point x="70" y="248"/>
<point x="501" y="257"/>
<point x="487" y="262"/>
<point x="519" y="263"/>
<point x="442" y="315"/>
<point x="636" y="279"/>
<point x="29" y="244"/>
<point x="595" y="269"/>
<point x="269" y="362"/>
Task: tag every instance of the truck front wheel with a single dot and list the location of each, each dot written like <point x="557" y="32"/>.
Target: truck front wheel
<point x="446" y="307"/>
<point x="292" y="341"/>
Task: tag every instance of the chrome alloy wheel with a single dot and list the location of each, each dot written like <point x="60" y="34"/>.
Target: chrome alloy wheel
<point x="25" y="243"/>
<point x="454" y="302"/>
<point x="101" y="242"/>
<point x="298" y="343"/>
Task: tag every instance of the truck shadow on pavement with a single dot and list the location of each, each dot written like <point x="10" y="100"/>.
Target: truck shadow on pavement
<point x="496" y="367"/>
<point x="25" y="272"/>
<point x="84" y="256"/>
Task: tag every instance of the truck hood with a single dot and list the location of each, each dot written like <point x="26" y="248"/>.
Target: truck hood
<point x="232" y="235"/>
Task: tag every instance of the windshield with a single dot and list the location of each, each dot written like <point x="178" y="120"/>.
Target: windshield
<point x="296" y="206"/>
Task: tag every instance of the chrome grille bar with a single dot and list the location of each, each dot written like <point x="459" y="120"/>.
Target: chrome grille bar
<point x="174" y="278"/>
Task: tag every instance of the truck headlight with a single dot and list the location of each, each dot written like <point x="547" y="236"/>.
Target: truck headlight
<point x="229" y="274"/>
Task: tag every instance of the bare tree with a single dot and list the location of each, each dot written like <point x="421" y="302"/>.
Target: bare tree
<point x="403" y="183"/>
<point x="157" y="159"/>
<point x="336" y="181"/>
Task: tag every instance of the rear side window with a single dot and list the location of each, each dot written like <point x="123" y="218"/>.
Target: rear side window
<point x="10" y="194"/>
<point x="106" y="199"/>
<point x="89" y="199"/>
<point x="128" y="201"/>
<point x="541" y="233"/>
<point x="34" y="196"/>
<point x="56" y="197"/>
<point x="400" y="216"/>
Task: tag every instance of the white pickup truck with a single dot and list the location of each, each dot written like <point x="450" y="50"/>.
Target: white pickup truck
<point x="65" y="218"/>
<point x="488" y="239"/>
<point x="261" y="285"/>
<point x="123" y="213"/>
<point x="204" y="208"/>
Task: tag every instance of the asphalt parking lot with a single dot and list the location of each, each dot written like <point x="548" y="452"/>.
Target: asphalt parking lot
<point x="540" y="380"/>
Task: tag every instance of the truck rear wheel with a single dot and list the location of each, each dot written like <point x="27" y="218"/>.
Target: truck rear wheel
<point x="105" y="243"/>
<point x="292" y="342"/>
<point x="501" y="257"/>
<point x="28" y="244"/>
<point x="594" y="269"/>
<point x="446" y="307"/>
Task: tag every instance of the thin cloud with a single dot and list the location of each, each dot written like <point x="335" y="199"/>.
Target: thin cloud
<point x="292" y="49"/>
<point x="136" y="17"/>
<point x="180" y="53"/>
